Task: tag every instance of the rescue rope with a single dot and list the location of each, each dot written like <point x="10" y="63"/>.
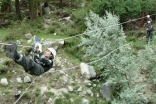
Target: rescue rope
<point x="26" y="90"/>
<point x="72" y="68"/>
<point x="132" y="20"/>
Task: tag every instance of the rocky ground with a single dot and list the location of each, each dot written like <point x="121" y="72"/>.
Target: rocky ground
<point x="63" y="84"/>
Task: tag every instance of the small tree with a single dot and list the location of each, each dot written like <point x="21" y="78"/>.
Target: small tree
<point x="105" y="42"/>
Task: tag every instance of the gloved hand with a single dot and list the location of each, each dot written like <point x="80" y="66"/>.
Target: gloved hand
<point x="37" y="47"/>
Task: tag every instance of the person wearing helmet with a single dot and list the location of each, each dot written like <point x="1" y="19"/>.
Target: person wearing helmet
<point x="40" y="63"/>
<point x="149" y="18"/>
<point x="149" y="29"/>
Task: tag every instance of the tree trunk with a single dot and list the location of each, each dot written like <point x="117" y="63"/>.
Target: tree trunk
<point x="143" y="19"/>
<point x="60" y="4"/>
<point x="40" y="9"/>
<point x="18" y="14"/>
<point x="30" y="3"/>
<point x="35" y="8"/>
<point x="6" y="6"/>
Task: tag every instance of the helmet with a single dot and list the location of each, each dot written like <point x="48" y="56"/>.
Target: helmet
<point x="148" y="21"/>
<point x="52" y="51"/>
<point x="148" y="16"/>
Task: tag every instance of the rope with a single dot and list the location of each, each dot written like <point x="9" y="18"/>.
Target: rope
<point x="96" y="60"/>
<point x="90" y="31"/>
<point x="78" y="65"/>
<point x="25" y="90"/>
<point x="17" y="45"/>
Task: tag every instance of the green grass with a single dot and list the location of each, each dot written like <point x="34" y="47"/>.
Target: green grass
<point x="2" y="55"/>
<point x="50" y="36"/>
<point x="3" y="32"/>
<point x="139" y="44"/>
<point x="72" y="58"/>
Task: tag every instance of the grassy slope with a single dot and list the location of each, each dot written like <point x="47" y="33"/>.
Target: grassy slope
<point x="3" y="32"/>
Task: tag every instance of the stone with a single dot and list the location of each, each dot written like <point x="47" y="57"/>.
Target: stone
<point x="4" y="82"/>
<point x="106" y="91"/>
<point x="87" y="70"/>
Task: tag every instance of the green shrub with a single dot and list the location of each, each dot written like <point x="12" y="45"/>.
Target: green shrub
<point x="56" y="76"/>
<point x="77" y="100"/>
<point x="8" y="62"/>
<point x="37" y="92"/>
<point x="131" y="38"/>
<point x="56" y="24"/>
<point x="19" y="28"/>
<point x="58" y="11"/>
<point x="67" y="96"/>
<point x="79" y="19"/>
<point x="140" y="34"/>
<point x="21" y="86"/>
<point x="51" y="29"/>
<point x="78" y="15"/>
<point x="26" y="96"/>
<point x="5" y="65"/>
<point x="72" y="45"/>
<point x="54" y="27"/>
<point x="71" y="32"/>
<point x="7" y="93"/>
<point x="3" y="68"/>
<point x="52" y="85"/>
<point x="58" y="101"/>
<point x="49" y="94"/>
<point x="60" y="33"/>
<point x="66" y="12"/>
<point x="131" y="33"/>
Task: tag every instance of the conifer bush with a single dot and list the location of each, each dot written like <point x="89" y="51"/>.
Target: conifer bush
<point x="107" y="48"/>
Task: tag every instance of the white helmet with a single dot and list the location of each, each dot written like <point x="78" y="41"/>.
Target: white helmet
<point x="148" y="21"/>
<point x="148" y="16"/>
<point x="52" y="51"/>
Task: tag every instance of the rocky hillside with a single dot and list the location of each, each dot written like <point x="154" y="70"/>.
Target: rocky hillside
<point x="65" y="83"/>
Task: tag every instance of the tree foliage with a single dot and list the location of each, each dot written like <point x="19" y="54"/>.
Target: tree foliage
<point x="124" y="8"/>
<point x="107" y="48"/>
<point x="104" y="36"/>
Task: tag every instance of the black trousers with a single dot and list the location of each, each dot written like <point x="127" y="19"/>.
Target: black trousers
<point x="149" y="36"/>
<point x="30" y="66"/>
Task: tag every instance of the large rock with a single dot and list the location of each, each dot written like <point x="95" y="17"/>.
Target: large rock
<point x="48" y="44"/>
<point x="4" y="82"/>
<point x="19" y="79"/>
<point x="85" y="101"/>
<point x="87" y="70"/>
<point x="28" y="35"/>
<point x="106" y="91"/>
<point x="27" y="79"/>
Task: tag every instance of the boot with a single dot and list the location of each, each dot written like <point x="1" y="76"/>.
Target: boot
<point x="11" y="51"/>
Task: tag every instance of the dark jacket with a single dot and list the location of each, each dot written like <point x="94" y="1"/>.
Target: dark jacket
<point x="149" y="27"/>
<point x="45" y="62"/>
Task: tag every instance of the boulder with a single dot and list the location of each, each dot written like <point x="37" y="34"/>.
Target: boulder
<point x="87" y="70"/>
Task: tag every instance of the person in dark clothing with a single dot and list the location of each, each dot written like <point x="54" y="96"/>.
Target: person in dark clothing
<point x="40" y="63"/>
<point x="149" y="19"/>
<point x="149" y="29"/>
